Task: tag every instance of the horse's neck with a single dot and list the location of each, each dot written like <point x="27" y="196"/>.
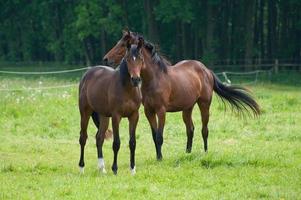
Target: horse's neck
<point x="151" y="73"/>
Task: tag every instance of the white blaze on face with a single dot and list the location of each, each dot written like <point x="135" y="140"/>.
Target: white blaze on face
<point x="134" y="58"/>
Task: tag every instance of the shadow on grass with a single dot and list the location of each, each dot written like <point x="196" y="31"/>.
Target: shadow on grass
<point x="211" y="161"/>
<point x="38" y="168"/>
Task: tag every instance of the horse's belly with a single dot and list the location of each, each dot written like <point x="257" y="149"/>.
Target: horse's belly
<point x="180" y="105"/>
<point x="102" y="108"/>
<point x="183" y="101"/>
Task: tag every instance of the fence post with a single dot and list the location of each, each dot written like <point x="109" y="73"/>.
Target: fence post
<point x="276" y="66"/>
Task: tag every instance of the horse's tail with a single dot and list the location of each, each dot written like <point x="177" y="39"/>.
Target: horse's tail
<point x="95" y="118"/>
<point x="238" y="97"/>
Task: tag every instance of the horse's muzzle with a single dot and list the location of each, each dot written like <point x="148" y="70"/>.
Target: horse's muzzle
<point x="136" y="81"/>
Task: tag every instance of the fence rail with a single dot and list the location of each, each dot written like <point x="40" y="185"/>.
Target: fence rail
<point x="255" y="70"/>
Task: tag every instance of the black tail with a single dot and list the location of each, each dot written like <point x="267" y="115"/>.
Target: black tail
<point x="238" y="97"/>
<point x="95" y="119"/>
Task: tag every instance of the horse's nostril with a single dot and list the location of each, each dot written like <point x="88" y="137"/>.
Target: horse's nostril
<point x="136" y="80"/>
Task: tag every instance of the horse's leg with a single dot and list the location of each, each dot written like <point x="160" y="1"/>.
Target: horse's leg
<point x="151" y="117"/>
<point x="84" y="120"/>
<point x="204" y="107"/>
<point x="116" y="142"/>
<point x="159" y="137"/>
<point x="100" y="136"/>
<point x="186" y="114"/>
<point x="133" y="120"/>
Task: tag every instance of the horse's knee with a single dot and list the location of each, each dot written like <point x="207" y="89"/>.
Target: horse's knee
<point x="132" y="144"/>
<point x="205" y="132"/>
<point x="116" y="145"/>
<point x="159" y="139"/>
<point x="83" y="138"/>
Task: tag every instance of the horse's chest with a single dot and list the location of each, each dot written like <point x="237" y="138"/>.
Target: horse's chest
<point x="127" y="107"/>
<point x="153" y="101"/>
<point x="125" y="104"/>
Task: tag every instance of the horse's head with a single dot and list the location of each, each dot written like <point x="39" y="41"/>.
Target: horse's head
<point x="115" y="55"/>
<point x="134" y="60"/>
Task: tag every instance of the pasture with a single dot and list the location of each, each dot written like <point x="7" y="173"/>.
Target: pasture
<point x="248" y="158"/>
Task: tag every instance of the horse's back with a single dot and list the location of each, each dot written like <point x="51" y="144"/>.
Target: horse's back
<point x="94" y="82"/>
<point x="191" y="78"/>
<point x="96" y="72"/>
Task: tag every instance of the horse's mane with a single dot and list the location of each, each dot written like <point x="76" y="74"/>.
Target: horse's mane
<point x="123" y="71"/>
<point x="156" y="56"/>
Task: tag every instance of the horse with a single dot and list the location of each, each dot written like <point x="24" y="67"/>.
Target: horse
<point x="167" y="88"/>
<point x="106" y="93"/>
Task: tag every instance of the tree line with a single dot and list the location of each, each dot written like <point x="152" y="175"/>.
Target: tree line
<point x="80" y="31"/>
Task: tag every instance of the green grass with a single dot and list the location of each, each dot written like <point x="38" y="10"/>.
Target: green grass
<point x="247" y="159"/>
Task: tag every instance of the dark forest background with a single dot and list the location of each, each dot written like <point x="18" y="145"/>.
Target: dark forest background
<point x="81" y="31"/>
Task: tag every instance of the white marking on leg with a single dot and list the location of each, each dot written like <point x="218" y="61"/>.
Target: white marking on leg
<point x="81" y="170"/>
<point x="133" y="171"/>
<point x="101" y="165"/>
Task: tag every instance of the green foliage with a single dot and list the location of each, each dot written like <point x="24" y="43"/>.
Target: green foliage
<point x="176" y="10"/>
<point x="82" y="31"/>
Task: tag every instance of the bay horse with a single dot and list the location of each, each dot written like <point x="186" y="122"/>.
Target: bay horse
<point x="167" y="88"/>
<point x="104" y="93"/>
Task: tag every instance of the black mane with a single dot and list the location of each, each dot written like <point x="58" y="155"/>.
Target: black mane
<point x="123" y="71"/>
<point x="157" y="58"/>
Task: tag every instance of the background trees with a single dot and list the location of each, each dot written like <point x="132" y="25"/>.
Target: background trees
<point x="79" y="31"/>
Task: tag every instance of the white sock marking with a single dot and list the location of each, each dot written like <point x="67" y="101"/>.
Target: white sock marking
<point x="81" y="170"/>
<point x="133" y="171"/>
<point x="101" y="165"/>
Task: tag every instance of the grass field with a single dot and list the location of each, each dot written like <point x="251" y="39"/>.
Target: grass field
<point x="247" y="159"/>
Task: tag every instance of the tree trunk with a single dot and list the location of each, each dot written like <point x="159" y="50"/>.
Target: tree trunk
<point x="249" y="26"/>
<point x="211" y="22"/>
<point x="196" y="43"/>
<point x="261" y="30"/>
<point x="178" y="39"/>
<point x="152" y="31"/>
<point x="224" y="31"/>
<point x="183" y="41"/>
<point x="87" y="52"/>
<point x="102" y="43"/>
<point x="272" y="22"/>
<point x="58" y="32"/>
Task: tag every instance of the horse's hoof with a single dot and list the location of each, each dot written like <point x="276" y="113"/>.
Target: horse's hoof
<point x="101" y="165"/>
<point x="188" y="150"/>
<point x="103" y="170"/>
<point x="115" y="172"/>
<point x="133" y="171"/>
<point x="81" y="170"/>
<point x="159" y="158"/>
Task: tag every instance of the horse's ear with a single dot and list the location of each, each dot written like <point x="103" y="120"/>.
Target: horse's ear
<point x="126" y="31"/>
<point x="128" y="45"/>
<point x="126" y="34"/>
<point x="140" y="42"/>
